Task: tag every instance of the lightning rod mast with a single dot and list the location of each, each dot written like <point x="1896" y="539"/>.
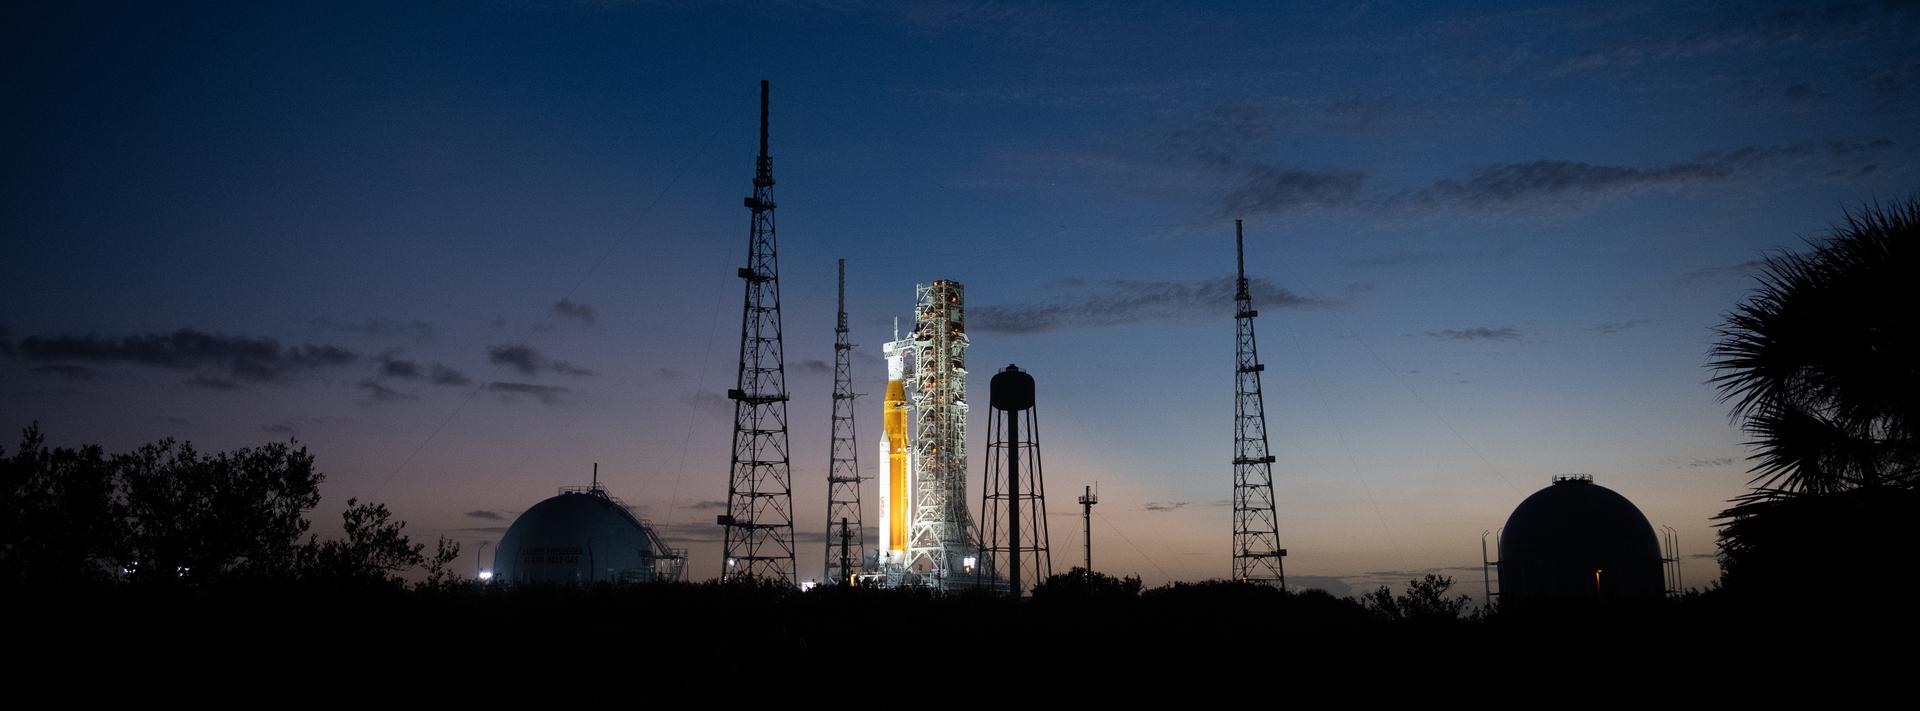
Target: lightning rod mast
<point x="843" y="467"/>
<point x="1257" y="555"/>
<point x="758" y="525"/>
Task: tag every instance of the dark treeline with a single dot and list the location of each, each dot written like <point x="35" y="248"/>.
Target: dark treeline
<point x="1104" y="640"/>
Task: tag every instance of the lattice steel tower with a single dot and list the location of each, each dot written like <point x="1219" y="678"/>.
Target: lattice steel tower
<point x="845" y="546"/>
<point x="941" y="535"/>
<point x="1257" y="555"/>
<point x="759" y="520"/>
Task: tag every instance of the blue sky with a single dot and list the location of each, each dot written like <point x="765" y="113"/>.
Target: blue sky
<point x="1491" y="242"/>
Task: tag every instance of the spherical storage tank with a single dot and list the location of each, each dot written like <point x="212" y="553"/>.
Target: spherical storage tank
<point x="1578" y="540"/>
<point x="583" y="536"/>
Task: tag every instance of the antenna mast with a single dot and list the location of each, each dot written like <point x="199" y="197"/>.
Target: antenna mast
<point x="843" y="467"/>
<point x="1257" y="555"/>
<point x="758" y="543"/>
<point x="1087" y="500"/>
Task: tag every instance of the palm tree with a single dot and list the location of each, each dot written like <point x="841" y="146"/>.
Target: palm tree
<point x="1821" y="365"/>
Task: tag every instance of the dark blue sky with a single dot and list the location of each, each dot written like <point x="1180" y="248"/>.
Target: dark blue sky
<point x="1491" y="241"/>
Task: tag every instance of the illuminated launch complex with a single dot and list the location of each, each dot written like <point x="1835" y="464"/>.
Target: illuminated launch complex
<point x="926" y="536"/>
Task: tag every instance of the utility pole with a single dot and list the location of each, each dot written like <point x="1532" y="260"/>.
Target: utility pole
<point x="758" y="525"/>
<point x="1257" y="555"/>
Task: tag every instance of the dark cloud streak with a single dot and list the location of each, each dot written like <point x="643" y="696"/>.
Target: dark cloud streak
<point x="385" y="328"/>
<point x="443" y="375"/>
<point x="240" y="358"/>
<point x="570" y="309"/>
<point x="519" y="357"/>
<point x="1507" y="186"/>
<point x="381" y="393"/>
<point x="1478" y="333"/>
<point x="1119" y="301"/>
<point x="546" y="394"/>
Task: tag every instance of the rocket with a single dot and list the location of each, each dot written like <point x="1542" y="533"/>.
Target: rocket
<point x="896" y="476"/>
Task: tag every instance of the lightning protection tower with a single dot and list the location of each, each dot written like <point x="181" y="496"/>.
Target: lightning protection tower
<point x="1013" y="504"/>
<point x="758" y="544"/>
<point x="845" y="546"/>
<point x="1257" y="553"/>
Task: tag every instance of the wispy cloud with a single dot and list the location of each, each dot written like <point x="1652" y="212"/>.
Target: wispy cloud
<point x="1508" y="186"/>
<point x="382" y="327"/>
<point x="712" y="404"/>
<point x="521" y="358"/>
<point x="485" y="515"/>
<point x="1167" y="506"/>
<point x="527" y="361"/>
<point x="293" y="426"/>
<point x="377" y="392"/>
<point x="564" y="368"/>
<point x="443" y="375"/>
<point x="1716" y="273"/>
<point x="396" y="368"/>
<point x="1113" y="302"/>
<point x="574" y="310"/>
<point x="815" y="366"/>
<point x="1826" y="25"/>
<point x="1271" y="190"/>
<point x="1612" y="327"/>
<point x="1714" y="462"/>
<point x="1478" y="333"/>
<point x="546" y="394"/>
<point x="232" y="358"/>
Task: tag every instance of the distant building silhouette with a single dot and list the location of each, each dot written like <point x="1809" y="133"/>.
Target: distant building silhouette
<point x="1578" y="540"/>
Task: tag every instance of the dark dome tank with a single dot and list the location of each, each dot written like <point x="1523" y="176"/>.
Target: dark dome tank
<point x="582" y="536"/>
<point x="1578" y="540"/>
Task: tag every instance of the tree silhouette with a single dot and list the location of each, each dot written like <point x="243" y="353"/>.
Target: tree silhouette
<point x="60" y="522"/>
<point x="1080" y="585"/>
<point x="1821" y="365"/>
<point x="203" y="518"/>
<point x="374" y="550"/>
<point x="1426" y="599"/>
<point x="441" y="574"/>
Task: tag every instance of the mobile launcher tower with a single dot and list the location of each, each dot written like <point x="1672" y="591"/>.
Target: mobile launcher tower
<point x="926" y="535"/>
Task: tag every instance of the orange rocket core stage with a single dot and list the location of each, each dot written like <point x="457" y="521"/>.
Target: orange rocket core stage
<point x="896" y="428"/>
